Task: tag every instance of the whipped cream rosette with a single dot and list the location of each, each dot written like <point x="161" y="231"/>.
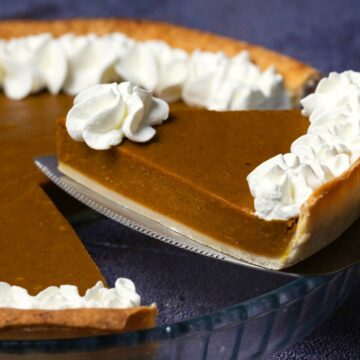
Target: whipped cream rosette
<point x="104" y="114"/>
<point x="220" y="83"/>
<point x="155" y="66"/>
<point x="30" y="64"/>
<point x="90" y="61"/>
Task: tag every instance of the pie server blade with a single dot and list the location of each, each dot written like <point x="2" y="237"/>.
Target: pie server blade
<point x="341" y="254"/>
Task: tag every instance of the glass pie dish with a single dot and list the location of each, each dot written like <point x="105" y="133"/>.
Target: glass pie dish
<point x="209" y="309"/>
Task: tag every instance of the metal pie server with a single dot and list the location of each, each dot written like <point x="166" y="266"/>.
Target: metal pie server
<point x="341" y="254"/>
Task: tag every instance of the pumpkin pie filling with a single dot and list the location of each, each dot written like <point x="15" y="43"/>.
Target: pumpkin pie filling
<point x="38" y="247"/>
<point x="194" y="172"/>
<point x="33" y="232"/>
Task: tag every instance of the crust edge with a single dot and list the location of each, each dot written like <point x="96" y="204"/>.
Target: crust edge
<point x="104" y="320"/>
<point x="329" y="211"/>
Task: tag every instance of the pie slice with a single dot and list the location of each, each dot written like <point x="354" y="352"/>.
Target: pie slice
<point x="191" y="177"/>
<point x="38" y="246"/>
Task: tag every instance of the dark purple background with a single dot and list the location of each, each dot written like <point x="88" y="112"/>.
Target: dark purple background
<point x="323" y="33"/>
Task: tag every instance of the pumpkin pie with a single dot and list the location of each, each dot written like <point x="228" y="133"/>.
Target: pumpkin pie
<point x="38" y="246"/>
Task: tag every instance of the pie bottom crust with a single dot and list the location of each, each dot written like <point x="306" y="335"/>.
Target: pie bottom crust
<point x="329" y="211"/>
<point x="69" y="322"/>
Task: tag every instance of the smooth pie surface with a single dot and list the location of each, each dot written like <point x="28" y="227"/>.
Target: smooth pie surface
<point x="38" y="247"/>
<point x="194" y="171"/>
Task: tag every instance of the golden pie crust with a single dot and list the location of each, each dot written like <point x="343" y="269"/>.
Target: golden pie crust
<point x="70" y="322"/>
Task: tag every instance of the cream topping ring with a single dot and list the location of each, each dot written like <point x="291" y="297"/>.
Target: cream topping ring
<point x="72" y="63"/>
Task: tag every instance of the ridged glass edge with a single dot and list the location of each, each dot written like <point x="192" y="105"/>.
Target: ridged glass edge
<point x="240" y="313"/>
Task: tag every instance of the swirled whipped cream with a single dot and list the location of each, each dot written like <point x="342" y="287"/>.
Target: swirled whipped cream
<point x="220" y="83"/>
<point x="91" y="60"/>
<point x="30" y="64"/>
<point x="103" y="115"/>
<point x="281" y="185"/>
<point x="155" y="66"/>
<point x="123" y="295"/>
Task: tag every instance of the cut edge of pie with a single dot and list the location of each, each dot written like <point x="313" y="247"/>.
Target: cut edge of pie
<point x="329" y="211"/>
<point x="81" y="178"/>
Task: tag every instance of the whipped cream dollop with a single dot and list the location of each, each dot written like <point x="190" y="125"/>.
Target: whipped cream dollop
<point x="30" y="64"/>
<point x="91" y="60"/>
<point x="122" y="296"/>
<point x="281" y="185"/>
<point x="104" y="114"/>
<point x="155" y="66"/>
<point x="221" y="83"/>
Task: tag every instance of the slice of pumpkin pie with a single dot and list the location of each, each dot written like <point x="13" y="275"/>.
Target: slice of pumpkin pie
<point x="220" y="177"/>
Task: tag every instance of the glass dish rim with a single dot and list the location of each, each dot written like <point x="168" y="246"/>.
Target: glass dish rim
<point x="247" y="310"/>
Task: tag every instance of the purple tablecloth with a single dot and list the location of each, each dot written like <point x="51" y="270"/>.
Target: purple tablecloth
<point x="323" y="33"/>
